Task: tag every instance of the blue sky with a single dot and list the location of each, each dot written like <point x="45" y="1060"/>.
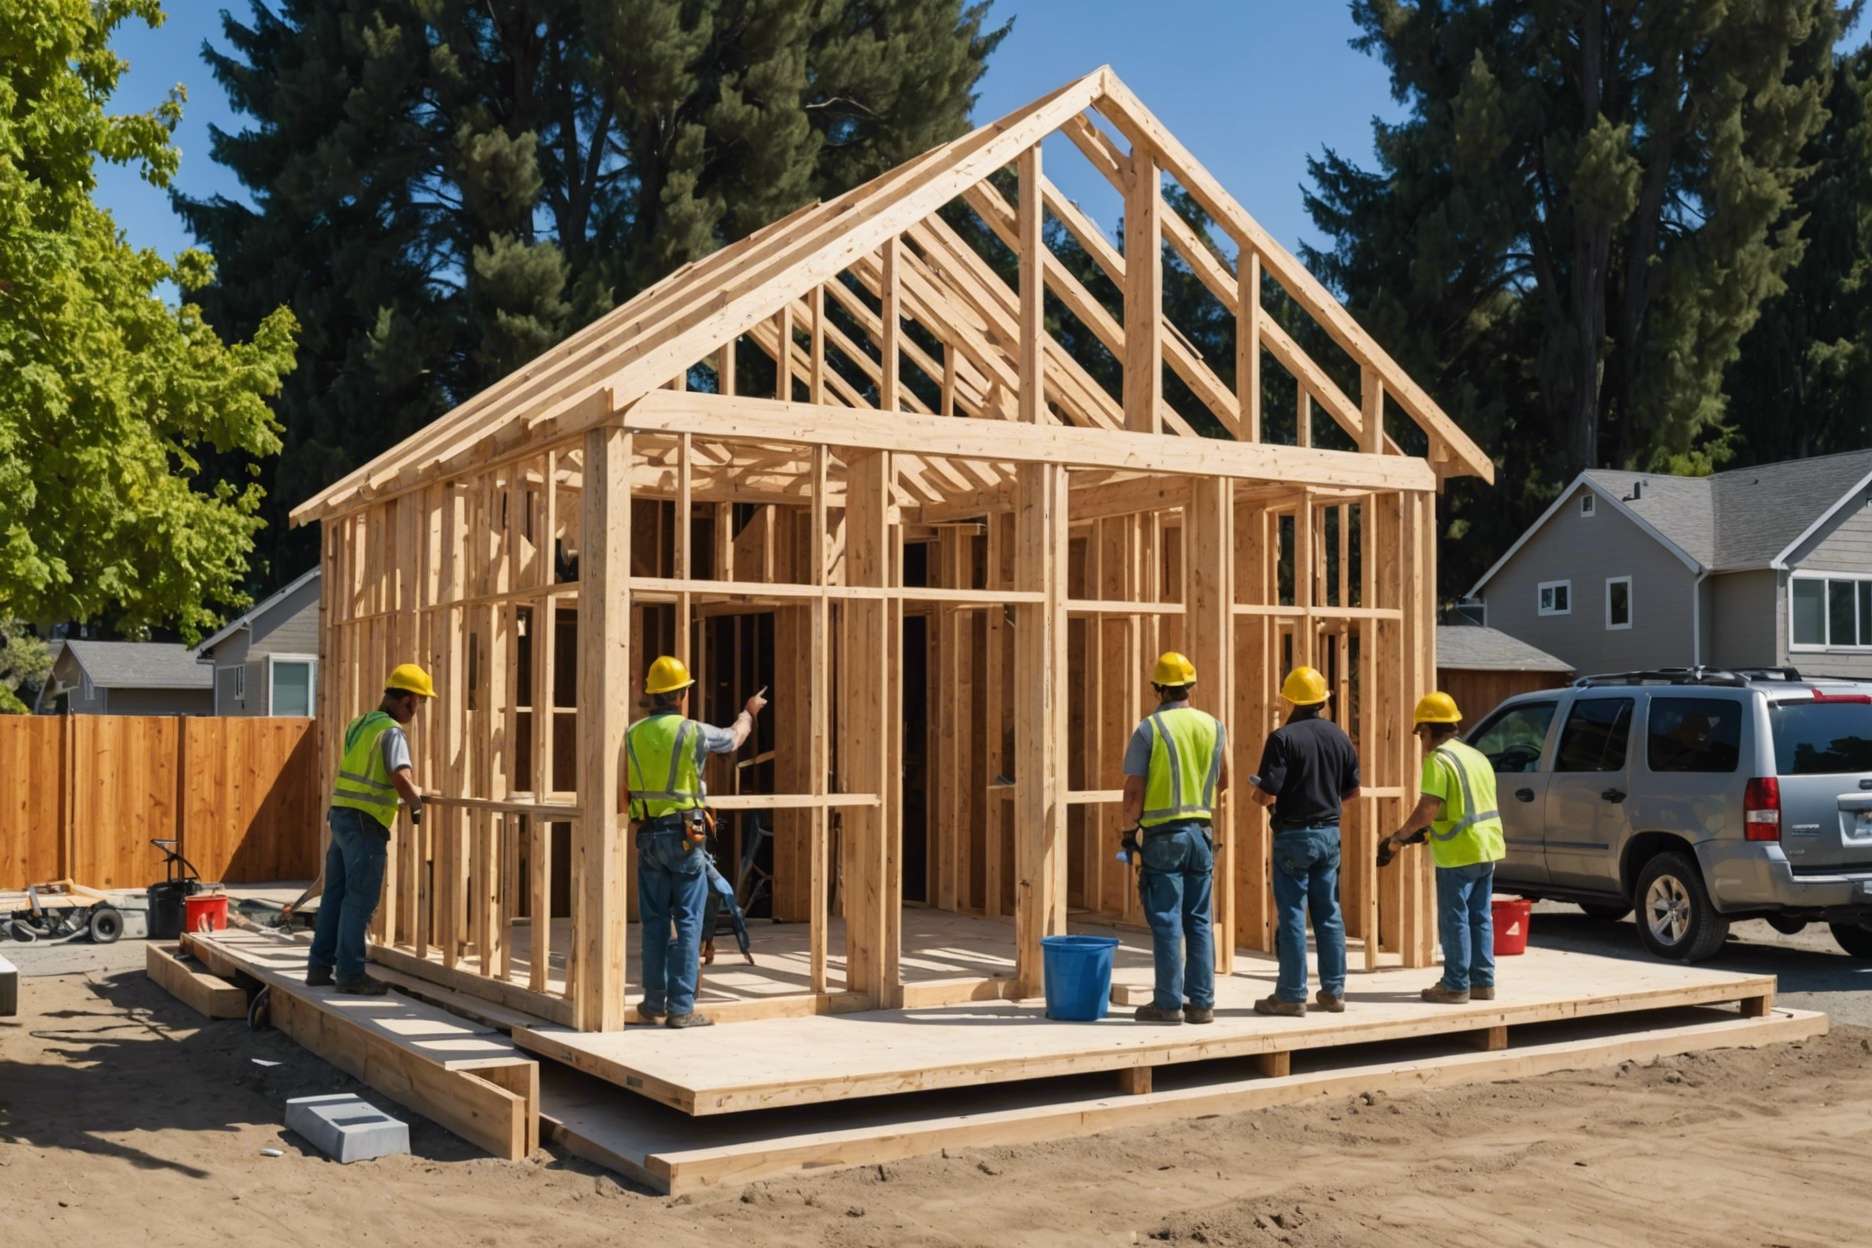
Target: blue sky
<point x="1250" y="86"/>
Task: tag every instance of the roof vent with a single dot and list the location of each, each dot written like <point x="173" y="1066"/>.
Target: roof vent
<point x="1637" y="490"/>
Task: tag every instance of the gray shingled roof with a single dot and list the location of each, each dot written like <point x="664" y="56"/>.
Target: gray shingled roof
<point x="1473" y="648"/>
<point x="140" y="665"/>
<point x="1743" y="518"/>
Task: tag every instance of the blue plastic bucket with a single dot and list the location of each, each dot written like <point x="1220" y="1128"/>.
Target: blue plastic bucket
<point x="1078" y="976"/>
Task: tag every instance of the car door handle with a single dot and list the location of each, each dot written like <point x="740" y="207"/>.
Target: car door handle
<point x="1613" y="795"/>
<point x="1524" y="795"/>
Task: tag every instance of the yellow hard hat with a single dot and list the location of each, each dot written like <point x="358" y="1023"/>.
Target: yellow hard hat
<point x="1304" y="686"/>
<point x="1173" y="669"/>
<point x="1437" y="707"/>
<point x="408" y="678"/>
<point x="667" y="675"/>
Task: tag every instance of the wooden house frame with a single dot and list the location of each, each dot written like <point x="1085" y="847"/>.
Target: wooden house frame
<point x="925" y="457"/>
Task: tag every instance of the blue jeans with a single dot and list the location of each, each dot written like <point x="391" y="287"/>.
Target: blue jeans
<point x="1174" y="885"/>
<point x="672" y="891"/>
<point x="354" y="871"/>
<point x="1306" y="879"/>
<point x="1466" y="924"/>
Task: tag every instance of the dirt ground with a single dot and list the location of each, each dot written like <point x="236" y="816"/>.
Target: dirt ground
<point x="124" y="1118"/>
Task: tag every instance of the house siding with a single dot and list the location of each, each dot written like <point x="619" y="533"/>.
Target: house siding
<point x="1587" y="551"/>
<point x="161" y="702"/>
<point x="287" y="627"/>
<point x="1845" y="545"/>
<point x="1745" y="611"/>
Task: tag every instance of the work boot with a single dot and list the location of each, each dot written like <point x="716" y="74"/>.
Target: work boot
<point x="1440" y="993"/>
<point x="318" y="976"/>
<point x="365" y="987"/>
<point x="653" y="1017"/>
<point x="1199" y="1014"/>
<point x="1285" y="1009"/>
<point x="691" y="1019"/>
<point x="1331" y="1004"/>
<point x="1151" y="1014"/>
<point x="1479" y="993"/>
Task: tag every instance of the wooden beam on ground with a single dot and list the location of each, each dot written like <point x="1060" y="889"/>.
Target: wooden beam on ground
<point x="206" y="994"/>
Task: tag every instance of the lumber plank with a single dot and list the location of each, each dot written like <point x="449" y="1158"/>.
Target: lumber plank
<point x="206" y="994"/>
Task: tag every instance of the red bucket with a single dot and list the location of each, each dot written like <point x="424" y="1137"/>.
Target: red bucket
<point x="204" y="912"/>
<point x="1512" y="915"/>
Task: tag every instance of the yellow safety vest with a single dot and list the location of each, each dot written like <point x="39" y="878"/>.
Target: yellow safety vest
<point x="1185" y="764"/>
<point x="660" y="753"/>
<point x="1470" y="830"/>
<point x="363" y="780"/>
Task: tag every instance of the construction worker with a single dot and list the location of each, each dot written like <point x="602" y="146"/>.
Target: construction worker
<point x="664" y="753"/>
<point x="1457" y="808"/>
<point x="1309" y="770"/>
<point x="374" y="775"/>
<point x="1174" y="766"/>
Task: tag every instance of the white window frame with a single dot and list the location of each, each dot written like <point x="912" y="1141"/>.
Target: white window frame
<point x="1826" y="612"/>
<point x="1540" y="592"/>
<point x="1588" y="504"/>
<point x="1631" y="604"/>
<point x="311" y="663"/>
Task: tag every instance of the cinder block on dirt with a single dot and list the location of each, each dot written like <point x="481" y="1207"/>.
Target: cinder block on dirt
<point x="346" y="1128"/>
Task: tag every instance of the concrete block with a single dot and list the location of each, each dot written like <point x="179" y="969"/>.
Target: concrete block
<point x="9" y="989"/>
<point x="346" y="1127"/>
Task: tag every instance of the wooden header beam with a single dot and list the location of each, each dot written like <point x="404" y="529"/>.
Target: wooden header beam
<point x="741" y="419"/>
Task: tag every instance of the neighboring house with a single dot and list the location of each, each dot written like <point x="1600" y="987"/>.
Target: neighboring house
<point x="1758" y="567"/>
<point x="266" y="662"/>
<point x="126" y="678"/>
<point x="1479" y="667"/>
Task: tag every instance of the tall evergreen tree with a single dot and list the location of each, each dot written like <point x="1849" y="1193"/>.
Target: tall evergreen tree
<point x="444" y="188"/>
<point x="1579" y="219"/>
<point x="1802" y="384"/>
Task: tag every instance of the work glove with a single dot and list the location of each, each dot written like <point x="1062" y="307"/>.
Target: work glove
<point x="415" y="814"/>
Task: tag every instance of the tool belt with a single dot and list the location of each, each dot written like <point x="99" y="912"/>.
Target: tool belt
<point x="696" y="825"/>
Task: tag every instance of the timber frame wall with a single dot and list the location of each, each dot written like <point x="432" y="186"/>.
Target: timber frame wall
<point x="539" y="544"/>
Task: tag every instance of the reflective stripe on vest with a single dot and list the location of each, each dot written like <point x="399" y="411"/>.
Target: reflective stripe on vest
<point x="660" y="751"/>
<point x="1185" y="766"/>
<point x="363" y="779"/>
<point x="1471" y="816"/>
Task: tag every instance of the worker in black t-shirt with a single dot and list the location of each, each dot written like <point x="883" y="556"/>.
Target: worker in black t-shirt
<point x="1308" y="771"/>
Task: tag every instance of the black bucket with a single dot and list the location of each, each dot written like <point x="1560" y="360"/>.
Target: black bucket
<point x="166" y="908"/>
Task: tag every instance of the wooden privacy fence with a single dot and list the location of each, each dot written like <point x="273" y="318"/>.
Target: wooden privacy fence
<point x="83" y="795"/>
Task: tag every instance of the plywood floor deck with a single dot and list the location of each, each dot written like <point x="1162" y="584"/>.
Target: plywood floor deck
<point x="672" y="1152"/>
<point x="806" y="1060"/>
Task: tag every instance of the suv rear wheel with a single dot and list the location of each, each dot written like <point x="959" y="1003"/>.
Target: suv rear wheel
<point x="1675" y="917"/>
<point x="1854" y="938"/>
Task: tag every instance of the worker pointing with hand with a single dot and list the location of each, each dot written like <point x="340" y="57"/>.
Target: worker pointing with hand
<point x="374" y="776"/>
<point x="662" y="792"/>
<point x="1175" y="765"/>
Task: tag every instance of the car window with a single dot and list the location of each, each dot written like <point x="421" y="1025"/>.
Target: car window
<point x="1821" y="738"/>
<point x="1594" y="736"/>
<point x="1694" y="734"/>
<point x="1512" y="740"/>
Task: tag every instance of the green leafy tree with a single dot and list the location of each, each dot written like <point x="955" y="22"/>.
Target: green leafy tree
<point x="1579" y="219"/>
<point x="444" y="188"/>
<point x="25" y="662"/>
<point x="1802" y="384"/>
<point x="109" y="396"/>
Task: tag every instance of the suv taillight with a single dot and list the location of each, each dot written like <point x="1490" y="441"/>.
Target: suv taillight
<point x="1761" y="810"/>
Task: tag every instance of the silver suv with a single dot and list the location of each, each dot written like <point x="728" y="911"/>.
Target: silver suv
<point x="1699" y="796"/>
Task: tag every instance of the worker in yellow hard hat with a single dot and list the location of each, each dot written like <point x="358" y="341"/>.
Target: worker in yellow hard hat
<point x="1309" y="770"/>
<point x="374" y="776"/>
<point x="1458" y="811"/>
<point x="1175" y="766"/>
<point x="663" y="794"/>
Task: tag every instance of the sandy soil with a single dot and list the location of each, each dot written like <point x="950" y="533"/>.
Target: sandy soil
<point x="123" y="1118"/>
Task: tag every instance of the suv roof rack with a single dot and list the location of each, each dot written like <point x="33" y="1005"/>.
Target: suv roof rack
<point x="1736" y="676"/>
